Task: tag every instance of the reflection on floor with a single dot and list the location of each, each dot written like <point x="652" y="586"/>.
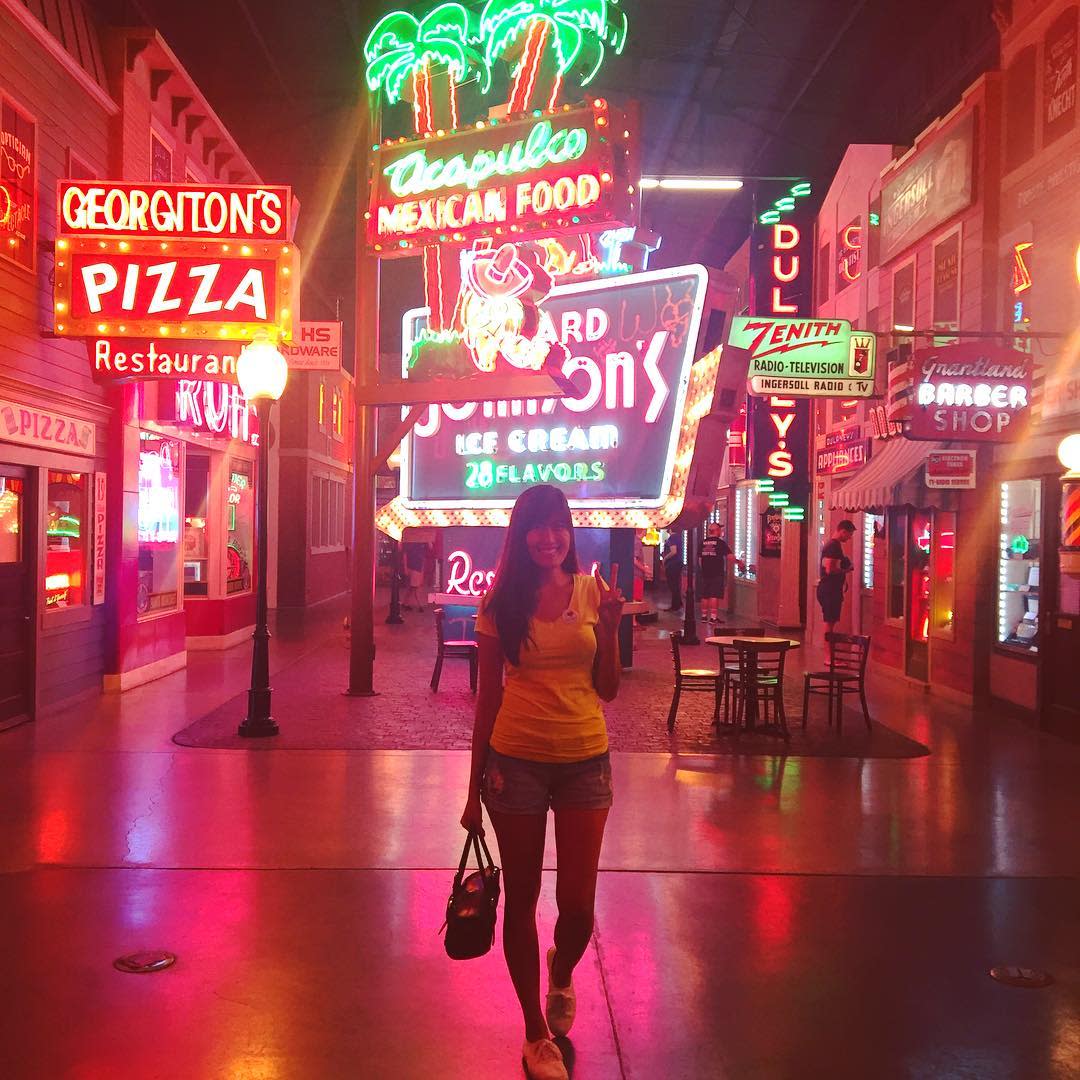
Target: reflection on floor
<point x="757" y="917"/>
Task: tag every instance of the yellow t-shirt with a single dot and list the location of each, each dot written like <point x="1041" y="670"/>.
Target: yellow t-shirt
<point x="550" y="709"/>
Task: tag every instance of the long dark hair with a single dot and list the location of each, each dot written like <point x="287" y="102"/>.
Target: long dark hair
<point x="511" y="600"/>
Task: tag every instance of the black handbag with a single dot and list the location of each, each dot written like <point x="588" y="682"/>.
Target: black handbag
<point x="473" y="903"/>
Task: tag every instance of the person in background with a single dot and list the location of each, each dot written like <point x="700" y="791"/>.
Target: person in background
<point x="673" y="569"/>
<point x="549" y="654"/>
<point x="414" y="556"/>
<point x="835" y="567"/>
<point x="715" y="554"/>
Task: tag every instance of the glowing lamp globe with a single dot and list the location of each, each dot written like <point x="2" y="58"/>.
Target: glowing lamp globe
<point x="261" y="371"/>
<point x="1069" y="452"/>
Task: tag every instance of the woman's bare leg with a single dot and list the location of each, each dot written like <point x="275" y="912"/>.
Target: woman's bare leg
<point x="521" y="848"/>
<point x="579" y="835"/>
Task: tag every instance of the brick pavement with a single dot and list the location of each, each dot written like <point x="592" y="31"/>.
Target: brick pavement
<point x="314" y="714"/>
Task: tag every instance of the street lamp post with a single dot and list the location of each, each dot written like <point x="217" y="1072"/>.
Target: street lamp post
<point x="262" y="372"/>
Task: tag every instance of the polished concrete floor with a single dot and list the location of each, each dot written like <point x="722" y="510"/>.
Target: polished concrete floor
<point x="757" y="917"/>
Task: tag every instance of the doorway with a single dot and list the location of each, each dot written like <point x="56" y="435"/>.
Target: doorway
<point x="16" y="596"/>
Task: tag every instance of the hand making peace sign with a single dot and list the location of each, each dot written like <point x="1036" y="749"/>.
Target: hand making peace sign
<point x="611" y="600"/>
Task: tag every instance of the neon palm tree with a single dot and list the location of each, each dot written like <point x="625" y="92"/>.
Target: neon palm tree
<point x="401" y="48"/>
<point x="575" y="34"/>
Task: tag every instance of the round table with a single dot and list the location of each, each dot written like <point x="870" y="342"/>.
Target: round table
<point x="732" y="641"/>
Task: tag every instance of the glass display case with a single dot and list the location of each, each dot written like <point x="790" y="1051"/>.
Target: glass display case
<point x="65" y="541"/>
<point x="1018" y="564"/>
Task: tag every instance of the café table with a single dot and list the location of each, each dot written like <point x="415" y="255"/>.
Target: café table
<point x="735" y="642"/>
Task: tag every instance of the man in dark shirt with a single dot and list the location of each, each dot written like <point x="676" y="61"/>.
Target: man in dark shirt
<point x="673" y="568"/>
<point x="835" y="567"/>
<point x="714" y="567"/>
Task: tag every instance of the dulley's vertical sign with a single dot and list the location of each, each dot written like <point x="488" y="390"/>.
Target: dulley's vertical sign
<point x="781" y="273"/>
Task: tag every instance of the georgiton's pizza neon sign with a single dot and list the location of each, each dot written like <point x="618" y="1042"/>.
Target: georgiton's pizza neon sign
<point x="620" y="451"/>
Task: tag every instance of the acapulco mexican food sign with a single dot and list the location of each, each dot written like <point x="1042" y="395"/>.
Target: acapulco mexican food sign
<point x="567" y="170"/>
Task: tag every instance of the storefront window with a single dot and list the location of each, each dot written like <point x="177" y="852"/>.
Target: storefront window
<point x="196" y="539"/>
<point x="11" y="502"/>
<point x="65" y="541"/>
<point x="919" y="573"/>
<point x="943" y="586"/>
<point x="241" y="523"/>
<point x="1018" y="564"/>
<point x="897" y="541"/>
<point x="159" y="524"/>
<point x="747" y="524"/>
<point x="873" y="526"/>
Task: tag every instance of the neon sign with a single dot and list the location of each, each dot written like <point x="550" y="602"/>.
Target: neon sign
<point x="621" y="451"/>
<point x="566" y="171"/>
<point x="462" y="579"/>
<point x="978" y="391"/>
<point x="849" y="255"/>
<point x="1021" y="274"/>
<point x="576" y="32"/>
<point x="143" y="288"/>
<point x="414" y="174"/>
<point x="786" y="204"/>
<point x="781" y="268"/>
<point x="217" y="409"/>
<point x="164" y="211"/>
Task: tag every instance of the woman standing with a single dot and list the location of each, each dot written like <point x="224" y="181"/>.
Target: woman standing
<point x="540" y="741"/>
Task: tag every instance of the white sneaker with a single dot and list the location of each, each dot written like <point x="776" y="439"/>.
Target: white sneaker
<point x="561" y="1007"/>
<point x="543" y="1060"/>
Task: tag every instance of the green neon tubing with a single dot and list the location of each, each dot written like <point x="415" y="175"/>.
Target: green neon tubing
<point x="416" y="174"/>
<point x="581" y="31"/>
<point x="400" y="44"/>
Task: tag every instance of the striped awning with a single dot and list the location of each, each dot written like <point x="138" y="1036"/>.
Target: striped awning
<point x="892" y="477"/>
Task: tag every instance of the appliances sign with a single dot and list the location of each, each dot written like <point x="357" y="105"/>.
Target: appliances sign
<point x="806" y="357"/>
<point x="975" y="392"/>
<point x="133" y="288"/>
<point x="566" y="170"/>
<point x="631" y="343"/>
<point x="845" y="449"/>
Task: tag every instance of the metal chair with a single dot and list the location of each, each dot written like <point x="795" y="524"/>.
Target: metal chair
<point x="692" y="680"/>
<point x="760" y="682"/>
<point x="729" y="667"/>
<point x="461" y="649"/>
<point x="846" y="674"/>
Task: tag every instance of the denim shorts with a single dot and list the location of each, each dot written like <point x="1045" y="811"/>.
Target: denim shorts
<point x="516" y="786"/>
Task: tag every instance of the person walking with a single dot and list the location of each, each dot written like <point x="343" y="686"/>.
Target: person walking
<point x="548" y="654"/>
<point x="715" y="554"/>
<point x="832" y="583"/>
<point x="415" y="556"/>
<point x="673" y="569"/>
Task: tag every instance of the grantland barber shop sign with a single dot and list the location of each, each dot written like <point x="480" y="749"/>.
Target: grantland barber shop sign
<point x="567" y="170"/>
<point x="976" y="392"/>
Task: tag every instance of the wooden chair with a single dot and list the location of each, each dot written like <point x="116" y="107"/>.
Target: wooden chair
<point x="729" y="667"/>
<point x="461" y="649"/>
<point x="760" y="682"/>
<point x="846" y="674"/>
<point x="692" y="680"/>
